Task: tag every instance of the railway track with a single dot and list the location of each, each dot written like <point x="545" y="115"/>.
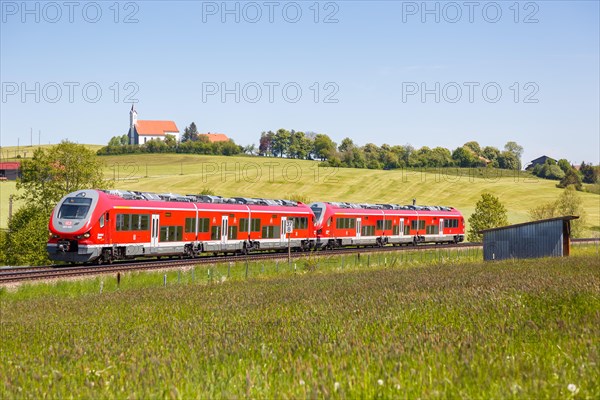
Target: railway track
<point x="21" y="274"/>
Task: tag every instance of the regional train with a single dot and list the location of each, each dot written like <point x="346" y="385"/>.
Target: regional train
<point x="100" y="226"/>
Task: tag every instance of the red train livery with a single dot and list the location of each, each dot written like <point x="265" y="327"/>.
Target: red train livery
<point x="347" y="224"/>
<point x="92" y="225"/>
<point x="102" y="226"/>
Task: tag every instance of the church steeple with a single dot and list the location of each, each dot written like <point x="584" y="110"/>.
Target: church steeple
<point x="132" y="123"/>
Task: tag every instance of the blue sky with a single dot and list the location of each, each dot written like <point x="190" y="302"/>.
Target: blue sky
<point x="381" y="71"/>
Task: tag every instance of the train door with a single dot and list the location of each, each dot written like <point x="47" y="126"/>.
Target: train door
<point x="154" y="233"/>
<point x="224" y="228"/>
<point x="358" y="227"/>
<point x="441" y="226"/>
<point x="401" y="227"/>
<point x="282" y="231"/>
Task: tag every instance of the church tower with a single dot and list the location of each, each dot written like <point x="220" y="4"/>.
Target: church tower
<point x="132" y="123"/>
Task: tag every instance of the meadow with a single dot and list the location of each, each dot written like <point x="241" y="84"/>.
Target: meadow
<point x="448" y="328"/>
<point x="277" y="177"/>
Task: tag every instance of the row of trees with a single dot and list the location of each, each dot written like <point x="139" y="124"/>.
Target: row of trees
<point x="566" y="173"/>
<point x="293" y="144"/>
<point x="201" y="145"/>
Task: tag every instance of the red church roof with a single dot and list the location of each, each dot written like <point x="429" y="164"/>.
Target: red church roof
<point x="215" y="137"/>
<point x="155" y="127"/>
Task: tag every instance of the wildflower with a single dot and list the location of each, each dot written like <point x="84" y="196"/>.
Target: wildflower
<point x="380" y="382"/>
<point x="398" y="386"/>
<point x="336" y="386"/>
<point x="572" y="388"/>
<point x="302" y="382"/>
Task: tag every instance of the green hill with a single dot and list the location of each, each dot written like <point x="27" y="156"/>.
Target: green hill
<point x="280" y="178"/>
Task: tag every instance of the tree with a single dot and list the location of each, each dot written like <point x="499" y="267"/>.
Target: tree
<point x="62" y="169"/>
<point x="324" y="147"/>
<point x="570" y="203"/>
<point x="464" y="157"/>
<point x="508" y="160"/>
<point x="28" y="233"/>
<point x="571" y="178"/>
<point x="190" y="133"/>
<point x="589" y="173"/>
<point x="515" y="149"/>
<point x="265" y="143"/>
<point x="491" y="153"/>
<point x="489" y="213"/>
<point x="46" y="178"/>
<point x="474" y="146"/>
<point x="346" y="145"/>
<point x="281" y="143"/>
<point x="567" y="203"/>
<point x="565" y="165"/>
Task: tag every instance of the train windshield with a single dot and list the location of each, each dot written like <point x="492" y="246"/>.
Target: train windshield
<point x="74" y="208"/>
<point x="317" y="209"/>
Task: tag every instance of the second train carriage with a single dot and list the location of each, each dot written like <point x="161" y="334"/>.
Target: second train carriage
<point x="348" y="224"/>
<point x="93" y="225"/>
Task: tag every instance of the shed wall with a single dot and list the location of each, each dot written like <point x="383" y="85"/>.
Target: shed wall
<point x="544" y="239"/>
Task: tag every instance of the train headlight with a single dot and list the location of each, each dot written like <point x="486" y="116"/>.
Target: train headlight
<point x="86" y="235"/>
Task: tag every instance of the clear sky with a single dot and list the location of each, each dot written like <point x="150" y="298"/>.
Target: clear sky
<point x="428" y="74"/>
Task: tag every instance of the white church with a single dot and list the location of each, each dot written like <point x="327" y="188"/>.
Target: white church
<point x="140" y="131"/>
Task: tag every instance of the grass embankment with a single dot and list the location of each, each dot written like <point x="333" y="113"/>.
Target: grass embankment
<point x="526" y="329"/>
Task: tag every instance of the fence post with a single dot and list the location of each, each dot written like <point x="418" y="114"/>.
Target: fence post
<point x="368" y="260"/>
<point x="246" y="268"/>
<point x="165" y="280"/>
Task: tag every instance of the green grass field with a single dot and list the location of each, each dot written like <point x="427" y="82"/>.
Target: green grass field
<point x="522" y="329"/>
<point x="276" y="177"/>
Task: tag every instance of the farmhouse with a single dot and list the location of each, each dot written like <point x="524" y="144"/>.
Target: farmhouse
<point x="140" y="131"/>
<point x="538" y="161"/>
<point x="214" y="137"/>
<point x="10" y="171"/>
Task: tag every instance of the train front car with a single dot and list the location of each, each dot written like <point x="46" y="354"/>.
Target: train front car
<point x="75" y="226"/>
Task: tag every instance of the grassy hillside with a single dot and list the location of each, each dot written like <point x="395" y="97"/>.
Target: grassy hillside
<point x="526" y="329"/>
<point x="275" y="177"/>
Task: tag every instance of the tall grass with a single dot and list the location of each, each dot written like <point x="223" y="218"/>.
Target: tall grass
<point x="523" y="329"/>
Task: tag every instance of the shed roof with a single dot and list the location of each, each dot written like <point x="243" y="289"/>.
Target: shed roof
<point x="10" y="165"/>
<point x="563" y="218"/>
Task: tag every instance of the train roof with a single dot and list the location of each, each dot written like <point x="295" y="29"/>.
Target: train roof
<point x="367" y="206"/>
<point x="201" y="198"/>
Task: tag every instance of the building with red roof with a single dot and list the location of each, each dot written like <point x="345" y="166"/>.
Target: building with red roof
<point x="214" y="137"/>
<point x="10" y="171"/>
<point x="140" y="131"/>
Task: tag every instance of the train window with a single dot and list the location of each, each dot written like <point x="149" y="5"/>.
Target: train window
<point x="215" y="233"/>
<point x="121" y="226"/>
<point x="102" y="221"/>
<point x="233" y="230"/>
<point x="381" y="224"/>
<point x="255" y="225"/>
<point x="417" y="225"/>
<point x="171" y="233"/>
<point x="271" y="232"/>
<point x="407" y="229"/>
<point x="299" y="222"/>
<point x="203" y="225"/>
<point x="368" y="230"/>
<point x="243" y="224"/>
<point x="396" y="230"/>
<point x="432" y="230"/>
<point x="144" y="222"/>
<point x="190" y="225"/>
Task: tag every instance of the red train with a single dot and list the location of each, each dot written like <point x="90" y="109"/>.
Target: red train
<point x="102" y="226"/>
